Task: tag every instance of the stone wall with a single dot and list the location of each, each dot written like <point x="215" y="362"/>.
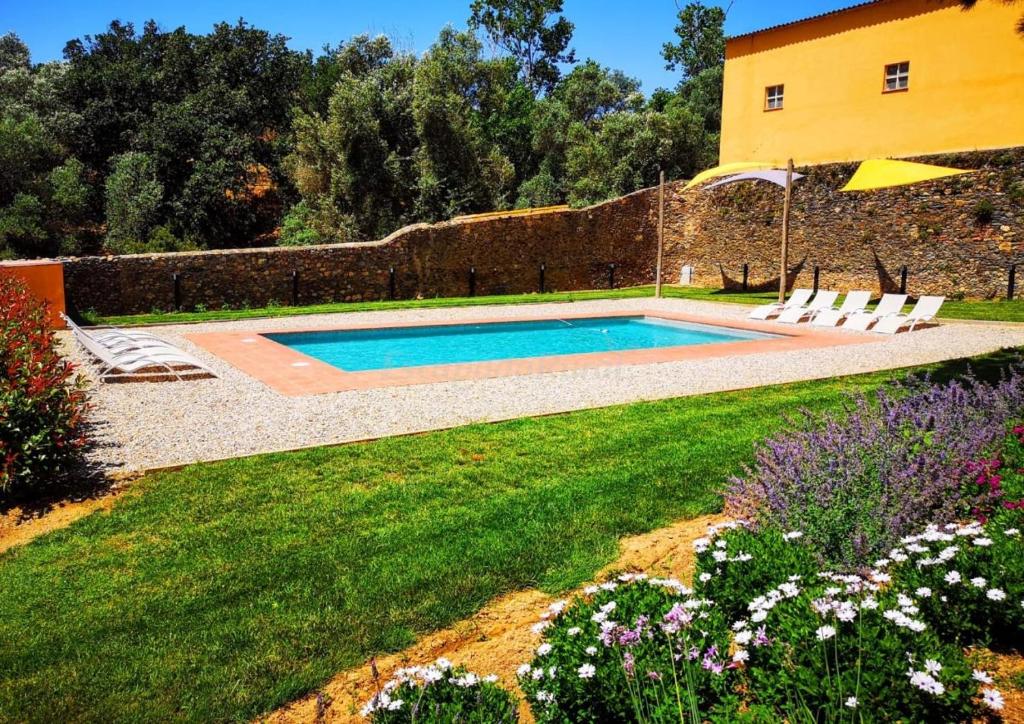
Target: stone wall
<point x="576" y="248"/>
<point x="938" y="230"/>
<point x="862" y="239"/>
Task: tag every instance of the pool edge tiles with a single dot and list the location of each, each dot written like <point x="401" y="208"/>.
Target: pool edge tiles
<point x="292" y="373"/>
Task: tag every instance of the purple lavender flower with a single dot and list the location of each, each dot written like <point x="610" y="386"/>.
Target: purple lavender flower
<point x="857" y="482"/>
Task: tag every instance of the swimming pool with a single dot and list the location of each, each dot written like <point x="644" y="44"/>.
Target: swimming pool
<point x="360" y="350"/>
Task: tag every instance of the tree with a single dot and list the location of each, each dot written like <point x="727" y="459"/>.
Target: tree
<point x="357" y="57"/>
<point x="460" y="170"/>
<point x="700" y="55"/>
<point x="212" y="112"/>
<point x="627" y="150"/>
<point x="354" y="168"/>
<point x="583" y="97"/>
<point x="701" y="45"/>
<point x="133" y="199"/>
<point x="529" y="32"/>
<point x="33" y="184"/>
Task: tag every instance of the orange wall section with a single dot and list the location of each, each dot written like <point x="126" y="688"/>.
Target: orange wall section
<point x="966" y="84"/>
<point x="45" y="280"/>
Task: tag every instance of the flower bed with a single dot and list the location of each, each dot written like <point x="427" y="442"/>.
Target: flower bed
<point x="41" y="403"/>
<point x="877" y="547"/>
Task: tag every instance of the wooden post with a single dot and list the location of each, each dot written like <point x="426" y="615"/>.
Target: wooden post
<point x="661" y="233"/>
<point x="784" y="267"/>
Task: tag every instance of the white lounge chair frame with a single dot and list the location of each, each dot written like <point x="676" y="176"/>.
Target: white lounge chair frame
<point x="854" y="303"/>
<point x="798" y="298"/>
<point x="890" y="304"/>
<point x="923" y="312"/>
<point x="117" y="354"/>
<point x="822" y="300"/>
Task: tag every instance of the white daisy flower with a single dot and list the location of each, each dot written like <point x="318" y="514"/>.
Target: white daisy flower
<point x="825" y="632"/>
<point x="992" y="699"/>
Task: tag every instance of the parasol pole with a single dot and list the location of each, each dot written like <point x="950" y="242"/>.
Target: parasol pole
<point x="661" y="233"/>
<point x="784" y="270"/>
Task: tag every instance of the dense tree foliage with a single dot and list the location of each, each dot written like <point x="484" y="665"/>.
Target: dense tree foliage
<point x="164" y="140"/>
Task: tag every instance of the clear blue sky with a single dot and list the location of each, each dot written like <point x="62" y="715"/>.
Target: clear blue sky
<point x="622" y="34"/>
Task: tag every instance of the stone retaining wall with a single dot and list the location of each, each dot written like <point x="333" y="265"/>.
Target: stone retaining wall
<point x="576" y="248"/>
<point x="939" y="230"/>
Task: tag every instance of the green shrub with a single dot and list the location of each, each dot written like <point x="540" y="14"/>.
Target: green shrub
<point x="632" y="649"/>
<point x="438" y="694"/>
<point x="41" y="403"/>
<point x="296" y="229"/>
<point x="983" y="212"/>
<point x="1016" y="193"/>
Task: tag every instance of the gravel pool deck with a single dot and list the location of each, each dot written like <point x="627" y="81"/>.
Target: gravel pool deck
<point x="140" y="426"/>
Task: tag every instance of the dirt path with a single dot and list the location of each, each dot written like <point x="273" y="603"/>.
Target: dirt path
<point x="20" y="524"/>
<point x="498" y="638"/>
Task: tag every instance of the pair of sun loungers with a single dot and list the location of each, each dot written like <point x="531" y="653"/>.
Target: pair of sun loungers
<point x="821" y="311"/>
<point x="119" y="353"/>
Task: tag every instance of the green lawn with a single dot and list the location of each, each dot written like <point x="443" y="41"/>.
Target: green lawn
<point x="997" y="310"/>
<point x="224" y="590"/>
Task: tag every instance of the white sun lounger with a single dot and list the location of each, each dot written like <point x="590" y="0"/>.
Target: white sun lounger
<point x="889" y="305"/>
<point x="854" y="302"/>
<point x="114" y="335"/>
<point x="111" y="363"/>
<point x="117" y="360"/>
<point x="798" y="298"/>
<point x="822" y="300"/>
<point x="924" y="311"/>
<point x="118" y="340"/>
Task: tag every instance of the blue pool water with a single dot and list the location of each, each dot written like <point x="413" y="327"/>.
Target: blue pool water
<point x="376" y="349"/>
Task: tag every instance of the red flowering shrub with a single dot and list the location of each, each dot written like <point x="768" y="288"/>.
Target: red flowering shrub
<point x="41" y="402"/>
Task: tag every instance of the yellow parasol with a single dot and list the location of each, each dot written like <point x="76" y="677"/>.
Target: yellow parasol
<point x="883" y="173"/>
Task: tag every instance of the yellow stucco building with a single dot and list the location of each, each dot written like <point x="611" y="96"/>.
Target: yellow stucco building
<point x="889" y="79"/>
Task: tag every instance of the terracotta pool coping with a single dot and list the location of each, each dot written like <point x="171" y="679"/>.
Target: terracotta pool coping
<point x="294" y="374"/>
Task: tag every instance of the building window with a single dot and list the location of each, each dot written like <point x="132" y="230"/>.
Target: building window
<point x="897" y="77"/>
<point x="773" y="97"/>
